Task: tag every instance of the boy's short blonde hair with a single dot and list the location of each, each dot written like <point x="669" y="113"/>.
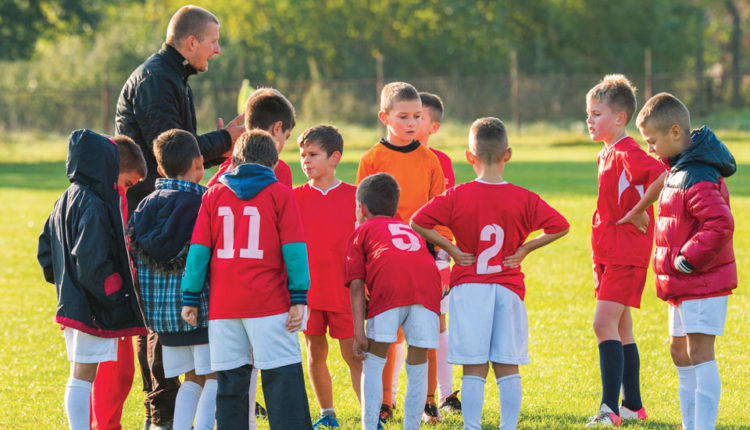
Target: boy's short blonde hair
<point x="617" y="92"/>
<point x="662" y="111"/>
<point x="488" y="140"/>
<point x="396" y="92"/>
<point x="255" y="146"/>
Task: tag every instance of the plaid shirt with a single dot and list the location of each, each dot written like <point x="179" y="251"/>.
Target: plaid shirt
<point x="160" y="289"/>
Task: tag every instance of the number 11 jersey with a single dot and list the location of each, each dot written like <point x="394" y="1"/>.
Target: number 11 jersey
<point x="490" y="221"/>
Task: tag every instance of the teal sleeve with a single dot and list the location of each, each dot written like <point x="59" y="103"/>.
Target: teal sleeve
<point x="295" y="260"/>
<point x="196" y="268"/>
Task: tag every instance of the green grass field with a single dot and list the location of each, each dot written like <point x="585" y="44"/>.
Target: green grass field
<point x="561" y="385"/>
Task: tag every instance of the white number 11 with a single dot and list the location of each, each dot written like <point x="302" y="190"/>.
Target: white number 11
<point x="253" y="234"/>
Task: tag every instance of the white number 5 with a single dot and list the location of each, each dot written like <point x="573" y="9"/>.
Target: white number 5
<point x="483" y="259"/>
<point x="400" y="243"/>
<point x="253" y="233"/>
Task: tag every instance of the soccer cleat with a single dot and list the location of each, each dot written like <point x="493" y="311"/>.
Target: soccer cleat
<point x="326" y="422"/>
<point x="452" y="404"/>
<point x="260" y="411"/>
<point x="605" y="417"/>
<point x="629" y="414"/>
<point x="431" y="415"/>
<point x="386" y="413"/>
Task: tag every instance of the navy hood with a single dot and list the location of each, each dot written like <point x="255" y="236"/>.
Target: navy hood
<point x="94" y="162"/>
<point x="247" y="180"/>
<point x="708" y="151"/>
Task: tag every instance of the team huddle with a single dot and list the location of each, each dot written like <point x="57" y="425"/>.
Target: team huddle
<point x="227" y="275"/>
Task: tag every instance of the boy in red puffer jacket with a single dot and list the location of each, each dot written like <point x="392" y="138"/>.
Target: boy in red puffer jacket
<point x="693" y="259"/>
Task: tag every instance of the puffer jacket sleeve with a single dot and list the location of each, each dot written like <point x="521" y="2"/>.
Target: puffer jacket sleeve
<point x="715" y="227"/>
<point x="94" y="268"/>
<point x="44" y="253"/>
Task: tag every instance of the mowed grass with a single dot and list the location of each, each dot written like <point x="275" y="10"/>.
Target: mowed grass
<point x="561" y="385"/>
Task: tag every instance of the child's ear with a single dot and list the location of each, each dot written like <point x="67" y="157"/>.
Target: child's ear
<point x="675" y="132"/>
<point x="276" y="128"/>
<point x="160" y="171"/>
<point x="435" y="127"/>
<point x="335" y="158"/>
<point x="383" y="116"/>
<point x="469" y="156"/>
<point x="622" y="118"/>
<point x="508" y="154"/>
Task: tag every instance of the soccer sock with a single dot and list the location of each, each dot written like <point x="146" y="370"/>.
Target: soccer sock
<point x="707" y="394"/>
<point x="185" y="405"/>
<point x="686" y="389"/>
<point x="372" y="390"/>
<point x="205" y="416"/>
<point x="416" y="391"/>
<point x="611" y="363"/>
<point x="77" y="403"/>
<point x="400" y="350"/>
<point x="472" y="389"/>
<point x="330" y="412"/>
<point x="631" y="385"/>
<point x="444" y="369"/>
<point x="252" y="425"/>
<point x="431" y="375"/>
<point x="509" y="388"/>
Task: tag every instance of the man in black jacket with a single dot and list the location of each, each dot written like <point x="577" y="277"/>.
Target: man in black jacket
<point x="155" y="98"/>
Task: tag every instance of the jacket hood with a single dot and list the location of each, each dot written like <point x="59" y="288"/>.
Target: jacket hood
<point x="247" y="180"/>
<point x="93" y="161"/>
<point x="706" y="149"/>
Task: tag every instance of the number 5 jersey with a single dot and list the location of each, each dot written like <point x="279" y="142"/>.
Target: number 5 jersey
<point x="251" y="225"/>
<point x="490" y="221"/>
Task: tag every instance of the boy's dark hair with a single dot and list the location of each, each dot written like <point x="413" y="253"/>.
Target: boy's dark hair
<point x="266" y="106"/>
<point x="435" y="103"/>
<point x="326" y="136"/>
<point x="189" y="21"/>
<point x="396" y="92"/>
<point x="380" y="192"/>
<point x="488" y="139"/>
<point x="663" y="111"/>
<point x="255" y="146"/>
<point x="617" y="92"/>
<point x="131" y="155"/>
<point x="176" y="150"/>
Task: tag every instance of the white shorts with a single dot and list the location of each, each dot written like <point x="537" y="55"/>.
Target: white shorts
<point x="488" y="322"/>
<point x="87" y="348"/>
<point x="263" y="342"/>
<point x="421" y="326"/>
<point x="182" y="359"/>
<point x="705" y="316"/>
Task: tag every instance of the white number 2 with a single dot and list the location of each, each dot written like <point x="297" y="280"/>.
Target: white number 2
<point x="483" y="259"/>
<point x="253" y="234"/>
<point x="400" y="243"/>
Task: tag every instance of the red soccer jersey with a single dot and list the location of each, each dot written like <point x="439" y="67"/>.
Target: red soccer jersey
<point x="247" y="275"/>
<point x="283" y="173"/>
<point x="490" y="221"/>
<point x="625" y="172"/>
<point x="395" y="265"/>
<point x="447" y="165"/>
<point x="329" y="220"/>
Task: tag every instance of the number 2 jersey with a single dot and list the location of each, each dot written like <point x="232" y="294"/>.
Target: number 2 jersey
<point x="246" y="220"/>
<point x="394" y="263"/>
<point x="490" y="221"/>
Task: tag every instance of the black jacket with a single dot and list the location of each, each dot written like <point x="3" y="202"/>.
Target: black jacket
<point x="82" y="247"/>
<point x="156" y="98"/>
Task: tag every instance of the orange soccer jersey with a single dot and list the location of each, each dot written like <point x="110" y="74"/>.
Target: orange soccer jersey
<point x="416" y="169"/>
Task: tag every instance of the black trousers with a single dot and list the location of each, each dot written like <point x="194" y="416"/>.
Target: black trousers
<point x="160" y="392"/>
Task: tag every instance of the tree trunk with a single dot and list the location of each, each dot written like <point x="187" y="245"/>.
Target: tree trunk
<point x="736" y="47"/>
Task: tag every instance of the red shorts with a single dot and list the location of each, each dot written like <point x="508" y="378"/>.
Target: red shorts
<point x="621" y="284"/>
<point x="340" y="324"/>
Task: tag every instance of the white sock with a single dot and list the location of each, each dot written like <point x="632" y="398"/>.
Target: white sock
<point x="253" y="398"/>
<point x="372" y="390"/>
<point x="400" y="349"/>
<point x="205" y="416"/>
<point x="416" y="392"/>
<point x="185" y="405"/>
<point x="509" y="388"/>
<point x="686" y="389"/>
<point x="77" y="398"/>
<point x="444" y="369"/>
<point x="707" y="395"/>
<point x="472" y="393"/>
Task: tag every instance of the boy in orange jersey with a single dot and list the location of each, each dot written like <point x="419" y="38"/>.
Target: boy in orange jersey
<point x="267" y="109"/>
<point x="440" y="373"/>
<point x="327" y="207"/>
<point x="416" y="169"/>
